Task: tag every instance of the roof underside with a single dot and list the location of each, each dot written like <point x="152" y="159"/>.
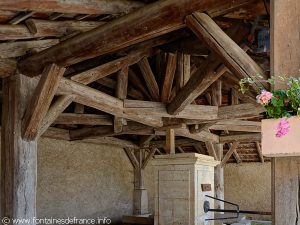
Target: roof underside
<point x="157" y="71"/>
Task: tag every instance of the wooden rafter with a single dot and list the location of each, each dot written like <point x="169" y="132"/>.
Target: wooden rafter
<point x="199" y="148"/>
<point x="16" y="49"/>
<point x="202" y="136"/>
<point x="60" y="104"/>
<point x="21" y="17"/>
<point x="240" y="138"/>
<point x="211" y="150"/>
<point x="110" y="37"/>
<point x="229" y="153"/>
<point x="158" y="109"/>
<point x="106" y="69"/>
<point x="231" y="54"/>
<point x="104" y="102"/>
<point x="137" y="82"/>
<point x="72" y="6"/>
<point x="44" y="28"/>
<point x="41" y="100"/>
<point x="145" y="140"/>
<point x="112" y="84"/>
<point x="8" y="67"/>
<point x="169" y="77"/>
<point x="111" y="141"/>
<point x="237" y="125"/>
<point x="198" y="83"/>
<point x="148" y="157"/>
<point x="121" y="93"/>
<point x="150" y="79"/>
<point x="134" y="161"/>
<point x="240" y="111"/>
<point x="259" y="151"/>
<point x="83" y="119"/>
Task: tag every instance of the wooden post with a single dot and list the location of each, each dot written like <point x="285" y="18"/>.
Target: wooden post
<point x="170" y="141"/>
<point x="219" y="180"/>
<point x="285" y="60"/>
<point x="18" y="156"/>
<point x="140" y="194"/>
<point x="285" y="190"/>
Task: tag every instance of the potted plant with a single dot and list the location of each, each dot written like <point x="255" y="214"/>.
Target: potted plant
<point x="281" y="126"/>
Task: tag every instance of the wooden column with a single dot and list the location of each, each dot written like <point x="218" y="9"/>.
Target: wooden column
<point x="285" y="190"/>
<point x="18" y="156"/>
<point x="139" y="160"/>
<point x="285" y="60"/>
<point x="219" y="180"/>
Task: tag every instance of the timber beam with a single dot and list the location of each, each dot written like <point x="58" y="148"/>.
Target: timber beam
<point x="73" y="6"/>
<point x="221" y="44"/>
<point x="209" y="72"/>
<point x="251" y="137"/>
<point x="41" y="100"/>
<point x="110" y="37"/>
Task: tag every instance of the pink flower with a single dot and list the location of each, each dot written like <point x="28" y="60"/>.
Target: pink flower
<point x="264" y="97"/>
<point x="283" y="128"/>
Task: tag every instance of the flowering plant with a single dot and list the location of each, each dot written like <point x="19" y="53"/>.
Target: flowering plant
<point x="278" y="103"/>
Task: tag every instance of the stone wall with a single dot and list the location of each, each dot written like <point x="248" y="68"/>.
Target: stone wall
<point x="249" y="185"/>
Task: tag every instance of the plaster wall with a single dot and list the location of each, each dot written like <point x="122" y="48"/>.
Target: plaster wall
<point x="83" y="181"/>
<point x="96" y="181"/>
<point x="249" y="185"/>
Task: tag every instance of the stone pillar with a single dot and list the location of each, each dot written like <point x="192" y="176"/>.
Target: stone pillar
<point x="140" y="194"/>
<point x="181" y="183"/>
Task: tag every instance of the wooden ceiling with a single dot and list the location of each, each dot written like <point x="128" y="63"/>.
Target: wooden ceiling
<point x="132" y="70"/>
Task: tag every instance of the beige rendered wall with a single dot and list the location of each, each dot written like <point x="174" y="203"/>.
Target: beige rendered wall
<point x="91" y="181"/>
<point x="83" y="180"/>
<point x="249" y="185"/>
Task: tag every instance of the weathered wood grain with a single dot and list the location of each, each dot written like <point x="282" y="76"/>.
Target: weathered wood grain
<point x="201" y="112"/>
<point x="196" y="85"/>
<point x="169" y="77"/>
<point x="285" y="190"/>
<point x="104" y="102"/>
<point x="84" y="119"/>
<point x="170" y="141"/>
<point x="229" y="52"/>
<point x="47" y="28"/>
<point x="118" y="34"/>
<point x="7" y="67"/>
<point x="240" y="111"/>
<point x="73" y="6"/>
<point x="149" y="79"/>
<point x="259" y="152"/>
<point x="229" y="153"/>
<point x="240" y="138"/>
<point x="16" y="49"/>
<point x="60" y="104"/>
<point x="18" y="156"/>
<point x="121" y="93"/>
<point x="112" y="84"/>
<point x="99" y="72"/>
<point x="41" y="100"/>
<point x="211" y="150"/>
<point x="202" y="136"/>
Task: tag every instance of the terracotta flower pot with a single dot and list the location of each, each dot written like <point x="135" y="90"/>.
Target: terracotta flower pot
<point x="287" y="145"/>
